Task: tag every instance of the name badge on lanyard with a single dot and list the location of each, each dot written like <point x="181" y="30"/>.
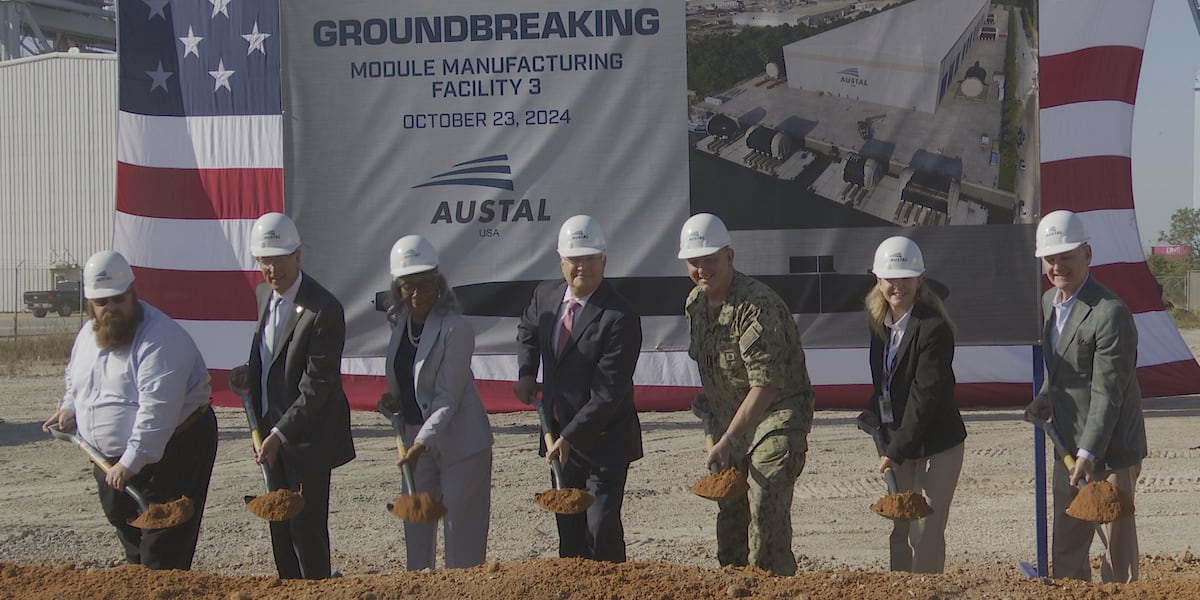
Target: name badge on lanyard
<point x="886" y="414"/>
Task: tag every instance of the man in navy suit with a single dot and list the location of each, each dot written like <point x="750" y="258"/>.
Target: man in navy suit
<point x="586" y="338"/>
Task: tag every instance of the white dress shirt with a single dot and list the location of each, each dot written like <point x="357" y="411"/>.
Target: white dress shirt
<point x="128" y="402"/>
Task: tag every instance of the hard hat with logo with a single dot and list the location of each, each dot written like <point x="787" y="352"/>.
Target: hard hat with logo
<point x="274" y="234"/>
<point x="702" y="234"/>
<point x="580" y="236"/>
<point x="897" y="258"/>
<point x="412" y="254"/>
<point x="1058" y="232"/>
<point x="106" y="274"/>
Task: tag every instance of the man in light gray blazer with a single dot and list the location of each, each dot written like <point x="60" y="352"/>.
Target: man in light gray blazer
<point x="1091" y="394"/>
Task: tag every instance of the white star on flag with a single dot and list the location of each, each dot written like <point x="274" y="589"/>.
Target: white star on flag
<point x="159" y="77"/>
<point x="191" y="43"/>
<point x="156" y="8"/>
<point x="219" y="6"/>
<point x="221" y="77"/>
<point x="256" y="40"/>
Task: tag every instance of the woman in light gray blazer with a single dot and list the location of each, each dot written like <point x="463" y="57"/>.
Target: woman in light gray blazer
<point x="431" y="385"/>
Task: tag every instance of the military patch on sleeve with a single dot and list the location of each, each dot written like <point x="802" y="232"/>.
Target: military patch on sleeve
<point x="749" y="337"/>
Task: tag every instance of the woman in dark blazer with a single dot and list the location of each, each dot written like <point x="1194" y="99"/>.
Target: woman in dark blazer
<point x="431" y="385"/>
<point x="912" y="356"/>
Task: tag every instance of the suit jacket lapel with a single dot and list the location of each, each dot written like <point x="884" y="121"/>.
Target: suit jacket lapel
<point x="1079" y="311"/>
<point x="552" y="303"/>
<point x="429" y="335"/>
<point x="292" y="318"/>
<point x="910" y="334"/>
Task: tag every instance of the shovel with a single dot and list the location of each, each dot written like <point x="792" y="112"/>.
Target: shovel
<point x="718" y="485"/>
<point x="896" y="505"/>
<point x="1098" y="501"/>
<point x="150" y="516"/>
<point x="415" y="507"/>
<point x="279" y="503"/>
<point x="560" y="500"/>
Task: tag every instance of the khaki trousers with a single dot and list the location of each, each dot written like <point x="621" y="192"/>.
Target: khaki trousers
<point x="920" y="546"/>
<point x="1073" y="537"/>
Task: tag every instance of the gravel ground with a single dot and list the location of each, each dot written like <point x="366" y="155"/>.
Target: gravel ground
<point x="49" y="514"/>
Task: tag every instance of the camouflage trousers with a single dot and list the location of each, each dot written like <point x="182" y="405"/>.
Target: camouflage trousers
<point x="756" y="529"/>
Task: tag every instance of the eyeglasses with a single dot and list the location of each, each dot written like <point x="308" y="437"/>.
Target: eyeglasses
<point x="118" y="299"/>
<point x="425" y="286"/>
<point x="587" y="259"/>
<point x="273" y="261"/>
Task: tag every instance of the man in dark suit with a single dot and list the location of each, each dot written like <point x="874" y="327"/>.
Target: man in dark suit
<point x="294" y="381"/>
<point x="587" y="339"/>
<point x="1092" y="396"/>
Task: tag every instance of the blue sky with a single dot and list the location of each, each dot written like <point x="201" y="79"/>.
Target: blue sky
<point x="1164" y="121"/>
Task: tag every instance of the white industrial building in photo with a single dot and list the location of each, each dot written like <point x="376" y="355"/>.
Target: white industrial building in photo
<point x="905" y="57"/>
<point x="58" y="167"/>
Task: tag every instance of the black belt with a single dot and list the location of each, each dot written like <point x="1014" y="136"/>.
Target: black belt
<point x="191" y="419"/>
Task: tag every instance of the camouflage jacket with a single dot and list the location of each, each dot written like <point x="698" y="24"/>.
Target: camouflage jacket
<point x="752" y="342"/>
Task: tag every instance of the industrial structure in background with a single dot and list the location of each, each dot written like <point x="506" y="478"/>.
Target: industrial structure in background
<point x="58" y="98"/>
<point x="41" y="26"/>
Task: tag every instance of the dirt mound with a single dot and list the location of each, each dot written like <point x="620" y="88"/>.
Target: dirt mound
<point x="1164" y="577"/>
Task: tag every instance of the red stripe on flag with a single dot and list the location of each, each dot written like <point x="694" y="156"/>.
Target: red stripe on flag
<point x="200" y="295"/>
<point x="1169" y="379"/>
<point x="198" y="193"/>
<point x="1091" y="74"/>
<point x="1133" y="283"/>
<point x="1091" y="183"/>
<point x="364" y="390"/>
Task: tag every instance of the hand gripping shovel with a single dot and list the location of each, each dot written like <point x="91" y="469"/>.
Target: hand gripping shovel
<point x="414" y="507"/>
<point x="718" y="485"/>
<point x="896" y="505"/>
<point x="279" y="503"/>
<point x="150" y="516"/>
<point x="1098" y="501"/>
<point x="560" y="500"/>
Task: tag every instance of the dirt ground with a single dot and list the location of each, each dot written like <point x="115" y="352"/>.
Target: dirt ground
<point x="55" y="543"/>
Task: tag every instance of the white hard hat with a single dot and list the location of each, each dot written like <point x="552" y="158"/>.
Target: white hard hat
<point x="898" y="257"/>
<point x="702" y="234"/>
<point x="412" y="254"/>
<point x="1058" y="232"/>
<point x="580" y="236"/>
<point x="274" y="234"/>
<point x="106" y="274"/>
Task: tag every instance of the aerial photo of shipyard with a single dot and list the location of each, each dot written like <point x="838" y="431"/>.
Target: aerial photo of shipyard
<point x="883" y="113"/>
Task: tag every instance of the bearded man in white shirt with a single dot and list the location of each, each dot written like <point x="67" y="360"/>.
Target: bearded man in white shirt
<point x="138" y="391"/>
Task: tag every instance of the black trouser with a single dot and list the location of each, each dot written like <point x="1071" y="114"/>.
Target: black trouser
<point x="596" y="533"/>
<point x="301" y="544"/>
<point x="184" y="470"/>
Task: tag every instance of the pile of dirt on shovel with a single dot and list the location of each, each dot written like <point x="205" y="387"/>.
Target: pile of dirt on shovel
<point x="279" y="505"/>
<point x="1100" y="502"/>
<point x="567" y="501"/>
<point x="730" y="483"/>
<point x="169" y="514"/>
<point x="418" y="508"/>
<point x="905" y="505"/>
<point x="576" y="578"/>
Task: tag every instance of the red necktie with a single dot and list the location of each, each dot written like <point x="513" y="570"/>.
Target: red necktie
<point x="564" y="331"/>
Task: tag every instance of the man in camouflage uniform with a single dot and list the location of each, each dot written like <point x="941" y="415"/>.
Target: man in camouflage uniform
<point x="756" y="391"/>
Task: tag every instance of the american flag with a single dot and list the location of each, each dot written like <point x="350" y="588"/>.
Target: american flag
<point x="200" y="156"/>
<point x="1091" y="56"/>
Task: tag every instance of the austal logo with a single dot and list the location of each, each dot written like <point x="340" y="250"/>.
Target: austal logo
<point x="489" y="171"/>
<point x="852" y="77"/>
